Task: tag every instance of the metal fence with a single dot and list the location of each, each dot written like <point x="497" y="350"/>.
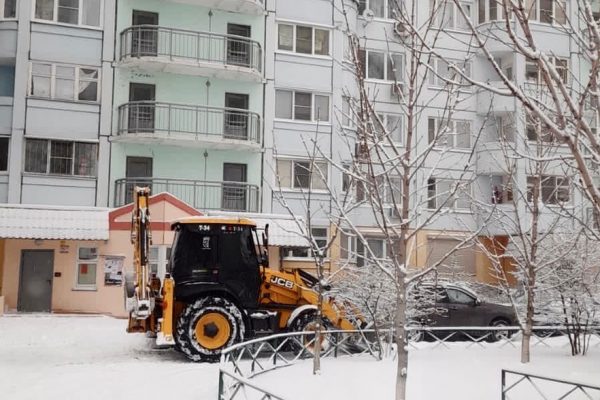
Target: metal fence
<point x="203" y="195"/>
<point x="188" y="121"/>
<point x="520" y="385"/>
<point x="178" y="44"/>
<point x="243" y="361"/>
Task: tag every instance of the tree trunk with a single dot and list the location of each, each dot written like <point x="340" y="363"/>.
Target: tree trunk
<point x="525" y="342"/>
<point x="401" y="343"/>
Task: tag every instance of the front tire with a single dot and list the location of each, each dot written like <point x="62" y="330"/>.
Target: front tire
<point x="307" y="322"/>
<point x="208" y="326"/>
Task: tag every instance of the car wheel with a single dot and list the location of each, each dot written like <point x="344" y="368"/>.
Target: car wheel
<point x="497" y="335"/>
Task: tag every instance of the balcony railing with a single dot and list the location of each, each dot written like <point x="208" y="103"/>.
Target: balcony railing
<point x="201" y="47"/>
<point x="203" y="195"/>
<point x="187" y="121"/>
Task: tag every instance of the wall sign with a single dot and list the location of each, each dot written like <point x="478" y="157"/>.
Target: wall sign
<point x="113" y="270"/>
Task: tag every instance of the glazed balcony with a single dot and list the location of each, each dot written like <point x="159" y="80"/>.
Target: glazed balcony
<point x="220" y="128"/>
<point x="253" y="7"/>
<point x="202" y="195"/>
<point x="215" y="55"/>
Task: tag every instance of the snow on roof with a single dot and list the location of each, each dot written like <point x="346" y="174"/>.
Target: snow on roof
<point x="19" y="221"/>
<point x="283" y="229"/>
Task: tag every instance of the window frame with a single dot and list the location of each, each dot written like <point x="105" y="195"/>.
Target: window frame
<point x="453" y="133"/>
<point x="79" y="261"/>
<point x="324" y="167"/>
<point x="367" y="6"/>
<point x="76" y="81"/>
<point x="288" y="252"/>
<point x="556" y="188"/>
<point x="5" y="171"/>
<point x="313" y="39"/>
<point x="555" y="60"/>
<point x="435" y="81"/>
<point x="450" y="204"/>
<point x="5" y="18"/>
<point x="456" y="15"/>
<point x="313" y="104"/>
<point x="74" y="160"/>
<point x="536" y="11"/>
<point x="79" y="23"/>
<point x="387" y="58"/>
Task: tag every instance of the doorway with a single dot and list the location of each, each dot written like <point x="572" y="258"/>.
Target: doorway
<point x="234" y="194"/>
<point x="144" y="42"/>
<point x="238" y="49"/>
<point x="35" y="284"/>
<point x="236" y="122"/>
<point x="141" y="107"/>
<point x="137" y="168"/>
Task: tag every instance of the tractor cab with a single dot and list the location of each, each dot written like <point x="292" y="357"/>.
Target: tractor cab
<point x="212" y="254"/>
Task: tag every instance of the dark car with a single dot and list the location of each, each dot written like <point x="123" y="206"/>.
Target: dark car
<point x="450" y="305"/>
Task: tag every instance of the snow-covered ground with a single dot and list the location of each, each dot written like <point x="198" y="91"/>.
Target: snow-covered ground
<point x="89" y="357"/>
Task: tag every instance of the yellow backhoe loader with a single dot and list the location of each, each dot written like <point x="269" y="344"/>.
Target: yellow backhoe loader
<point x="219" y="289"/>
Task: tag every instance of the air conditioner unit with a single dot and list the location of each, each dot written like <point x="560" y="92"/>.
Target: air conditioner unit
<point x="397" y="89"/>
<point x="401" y="30"/>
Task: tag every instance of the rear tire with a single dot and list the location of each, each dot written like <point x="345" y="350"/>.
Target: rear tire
<point x="496" y="336"/>
<point x="306" y="322"/>
<point x="208" y="326"/>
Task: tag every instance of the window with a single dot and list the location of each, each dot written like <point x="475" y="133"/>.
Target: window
<point x="381" y="65"/>
<point x="8" y="9"/>
<point x="533" y="74"/>
<point x="3" y="154"/>
<point x="439" y="194"/>
<point x="388" y="189"/>
<point x="319" y="235"/>
<point x="553" y="189"/>
<point x="348" y="107"/>
<point x="450" y="133"/>
<point x="301" y="106"/>
<point x="303" y="39"/>
<point x="459" y="297"/>
<point x="380" y="8"/>
<point x="381" y="251"/>
<point x="593" y="218"/>
<point x="58" y="157"/>
<point x="158" y="259"/>
<point x="490" y="10"/>
<point x="71" y="12"/>
<point x="447" y="15"/>
<point x="296" y="174"/>
<point x="7" y="80"/>
<point x="535" y="130"/>
<point x="443" y="71"/>
<point x="87" y="262"/>
<point x="501" y="189"/>
<point x="63" y="82"/>
<point x="504" y="128"/>
<point x="393" y="126"/>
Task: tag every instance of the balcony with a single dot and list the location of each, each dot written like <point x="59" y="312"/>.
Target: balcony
<point x="215" y="55"/>
<point x="253" y="7"/>
<point x="220" y="128"/>
<point x="202" y="195"/>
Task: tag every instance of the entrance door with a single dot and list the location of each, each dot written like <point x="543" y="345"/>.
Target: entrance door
<point x="137" y="168"/>
<point x="234" y="195"/>
<point x="141" y="107"/>
<point x="236" y="122"/>
<point x="238" y="49"/>
<point x="145" y="35"/>
<point x="35" y="287"/>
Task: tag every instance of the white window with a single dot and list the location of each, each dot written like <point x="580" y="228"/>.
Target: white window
<point x="303" y="39"/>
<point x="547" y="11"/>
<point x="448" y="193"/>
<point x="159" y="260"/>
<point x="393" y="124"/>
<point x="87" y="265"/>
<point x="297" y="174"/>
<point x="387" y="190"/>
<point x="453" y="133"/>
<point x="490" y="10"/>
<point x="71" y="12"/>
<point x="301" y="106"/>
<point x="4" y="154"/>
<point x="593" y="218"/>
<point x="381" y="65"/>
<point x="348" y="109"/>
<point x="59" y="157"/>
<point x="443" y="71"/>
<point x="533" y="74"/>
<point x="319" y="235"/>
<point x="381" y="8"/>
<point x="379" y="251"/>
<point x="64" y="82"/>
<point x="447" y="15"/>
<point x="553" y="189"/>
<point x="8" y="9"/>
<point x="504" y="128"/>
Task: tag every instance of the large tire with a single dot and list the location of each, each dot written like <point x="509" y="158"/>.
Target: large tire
<point x="306" y="322"/>
<point x="208" y="326"/>
<point x="496" y="336"/>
